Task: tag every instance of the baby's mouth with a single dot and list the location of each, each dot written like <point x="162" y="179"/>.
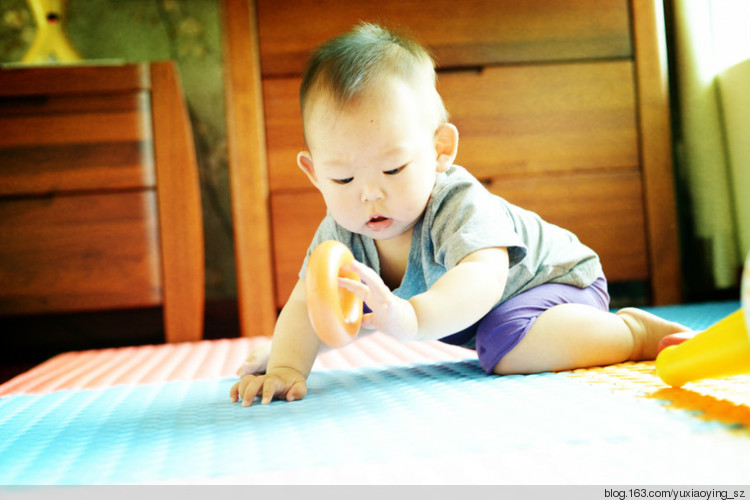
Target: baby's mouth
<point x="379" y="223"/>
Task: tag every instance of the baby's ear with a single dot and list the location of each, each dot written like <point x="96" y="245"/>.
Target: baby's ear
<point x="305" y="163"/>
<point x="446" y="145"/>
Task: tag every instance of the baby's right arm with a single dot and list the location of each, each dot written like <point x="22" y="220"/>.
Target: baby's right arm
<point x="293" y="350"/>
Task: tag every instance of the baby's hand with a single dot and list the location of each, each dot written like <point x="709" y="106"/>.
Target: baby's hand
<point x="257" y="361"/>
<point x="280" y="382"/>
<point x="390" y="314"/>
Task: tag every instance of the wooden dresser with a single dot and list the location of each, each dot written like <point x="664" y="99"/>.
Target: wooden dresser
<point x="99" y="194"/>
<point x="561" y="105"/>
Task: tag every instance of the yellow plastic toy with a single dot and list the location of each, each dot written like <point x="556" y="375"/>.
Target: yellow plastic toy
<point x="50" y="44"/>
<point x="723" y="350"/>
<point x="335" y="313"/>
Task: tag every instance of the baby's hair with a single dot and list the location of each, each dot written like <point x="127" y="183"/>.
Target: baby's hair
<point x="348" y="64"/>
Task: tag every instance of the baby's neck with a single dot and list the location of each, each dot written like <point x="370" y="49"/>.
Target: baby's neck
<point x="394" y="256"/>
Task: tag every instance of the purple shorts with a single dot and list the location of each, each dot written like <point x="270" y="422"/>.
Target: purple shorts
<point x="502" y="328"/>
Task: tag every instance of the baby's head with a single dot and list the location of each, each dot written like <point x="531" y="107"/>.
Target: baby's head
<point x="347" y="67"/>
<point x="376" y="129"/>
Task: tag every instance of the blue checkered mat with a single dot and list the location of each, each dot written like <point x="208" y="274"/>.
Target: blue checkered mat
<point x="696" y="316"/>
<point x="435" y="422"/>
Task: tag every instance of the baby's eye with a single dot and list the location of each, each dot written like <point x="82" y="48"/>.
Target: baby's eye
<point x="394" y="171"/>
<point x="343" y="181"/>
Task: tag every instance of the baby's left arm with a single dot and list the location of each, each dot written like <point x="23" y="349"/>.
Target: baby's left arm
<point x="460" y="298"/>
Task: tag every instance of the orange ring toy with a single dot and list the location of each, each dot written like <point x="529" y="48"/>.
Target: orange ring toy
<point x="335" y="313"/>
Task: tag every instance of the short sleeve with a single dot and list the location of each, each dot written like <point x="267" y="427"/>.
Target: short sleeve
<point x="465" y="218"/>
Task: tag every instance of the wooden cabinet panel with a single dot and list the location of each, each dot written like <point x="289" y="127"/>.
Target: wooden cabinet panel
<point x="614" y="229"/>
<point x="465" y="33"/>
<point x="57" y="253"/>
<point x="284" y="135"/>
<point x="514" y="120"/>
<point x="294" y="218"/>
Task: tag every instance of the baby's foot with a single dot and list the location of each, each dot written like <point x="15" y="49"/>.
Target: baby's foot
<point x="675" y="339"/>
<point x="648" y="331"/>
<point x="257" y="361"/>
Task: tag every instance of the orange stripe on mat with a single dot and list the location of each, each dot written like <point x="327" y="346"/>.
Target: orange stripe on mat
<point x="206" y="359"/>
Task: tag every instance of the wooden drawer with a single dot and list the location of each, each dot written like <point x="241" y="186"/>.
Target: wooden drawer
<point x="77" y="174"/>
<point x="83" y="224"/>
<point x="523" y="120"/>
<point x="81" y="80"/>
<point x="57" y="252"/>
<point x="69" y="142"/>
<point x="465" y="33"/>
<point x="513" y="120"/>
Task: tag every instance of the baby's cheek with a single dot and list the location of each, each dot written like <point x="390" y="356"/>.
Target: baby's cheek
<point x="346" y="217"/>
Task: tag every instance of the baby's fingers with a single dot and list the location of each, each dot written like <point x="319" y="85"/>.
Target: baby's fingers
<point x="365" y="273"/>
<point x="276" y="387"/>
<point x="297" y="391"/>
<point x="271" y="387"/>
<point x="379" y="291"/>
<point x="356" y="287"/>
<point x="234" y="393"/>
<point x="237" y="391"/>
<point x="247" y="389"/>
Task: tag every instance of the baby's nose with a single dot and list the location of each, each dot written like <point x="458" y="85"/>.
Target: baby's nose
<point x="372" y="193"/>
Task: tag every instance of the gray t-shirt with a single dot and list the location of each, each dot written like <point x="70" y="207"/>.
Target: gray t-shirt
<point x="462" y="217"/>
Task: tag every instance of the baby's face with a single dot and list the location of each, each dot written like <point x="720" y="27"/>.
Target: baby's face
<point x="374" y="161"/>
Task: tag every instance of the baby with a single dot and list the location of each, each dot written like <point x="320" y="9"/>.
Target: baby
<point x="439" y="257"/>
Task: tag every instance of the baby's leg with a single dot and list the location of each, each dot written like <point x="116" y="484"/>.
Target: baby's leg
<point x="569" y="336"/>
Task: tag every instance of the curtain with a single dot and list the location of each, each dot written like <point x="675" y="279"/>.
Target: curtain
<point x="710" y="60"/>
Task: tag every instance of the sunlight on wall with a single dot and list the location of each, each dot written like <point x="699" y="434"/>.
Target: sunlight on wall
<point x="720" y="30"/>
<point x="731" y="28"/>
<point x="712" y="60"/>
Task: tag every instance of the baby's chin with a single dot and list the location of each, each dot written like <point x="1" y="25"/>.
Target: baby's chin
<point x="392" y="233"/>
